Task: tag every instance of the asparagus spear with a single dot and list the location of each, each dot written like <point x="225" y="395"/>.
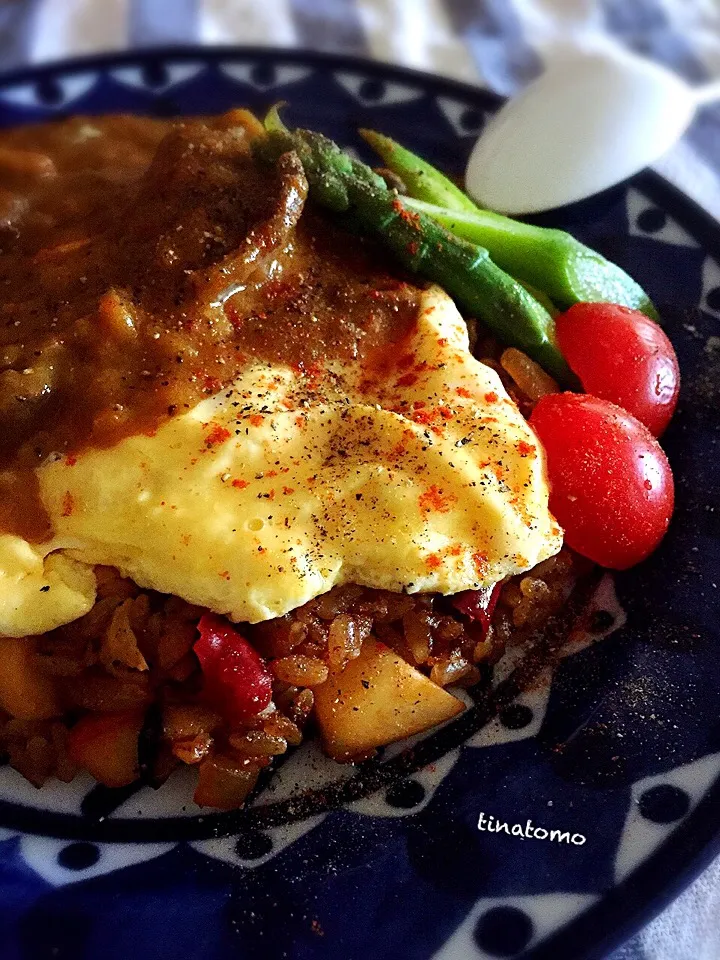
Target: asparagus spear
<point x="423" y="181"/>
<point x="551" y="260"/>
<point x="422" y="245"/>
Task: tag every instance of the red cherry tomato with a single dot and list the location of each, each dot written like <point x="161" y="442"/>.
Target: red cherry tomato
<point x="611" y="486"/>
<point x="235" y="676"/>
<point x="620" y="355"/>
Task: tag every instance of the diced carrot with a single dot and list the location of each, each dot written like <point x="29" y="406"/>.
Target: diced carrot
<point x="106" y="745"/>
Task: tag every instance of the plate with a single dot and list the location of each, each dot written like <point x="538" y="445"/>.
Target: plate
<point x="427" y="850"/>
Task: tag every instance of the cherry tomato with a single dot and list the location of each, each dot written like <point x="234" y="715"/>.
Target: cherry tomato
<point x="611" y="486"/>
<point x="620" y="355"/>
<point x="235" y="676"/>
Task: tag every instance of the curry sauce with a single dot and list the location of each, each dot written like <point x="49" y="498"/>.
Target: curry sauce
<point x="142" y="263"/>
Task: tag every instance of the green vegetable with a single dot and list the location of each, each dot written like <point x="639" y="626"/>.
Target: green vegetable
<point x="542" y="298"/>
<point x="421" y="179"/>
<point x="273" y="122"/>
<point x="422" y="245"/>
<point x="550" y="260"/>
<point x="465" y="271"/>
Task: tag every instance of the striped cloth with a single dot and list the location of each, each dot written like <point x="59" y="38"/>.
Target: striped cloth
<point x="500" y="44"/>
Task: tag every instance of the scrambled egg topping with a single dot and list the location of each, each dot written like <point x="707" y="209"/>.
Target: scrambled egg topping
<point x="419" y="474"/>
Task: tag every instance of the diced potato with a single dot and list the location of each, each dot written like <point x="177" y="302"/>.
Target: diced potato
<point x="224" y="783"/>
<point x="378" y="698"/>
<point x="26" y="692"/>
<point x="106" y="745"/>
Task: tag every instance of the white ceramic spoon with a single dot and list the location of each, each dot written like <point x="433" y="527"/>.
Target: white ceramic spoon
<point x="590" y="121"/>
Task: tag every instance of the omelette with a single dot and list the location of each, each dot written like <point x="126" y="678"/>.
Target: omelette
<point x="284" y="485"/>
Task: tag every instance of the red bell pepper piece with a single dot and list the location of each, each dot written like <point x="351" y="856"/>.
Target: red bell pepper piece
<point x="236" y="678"/>
<point x="478" y="605"/>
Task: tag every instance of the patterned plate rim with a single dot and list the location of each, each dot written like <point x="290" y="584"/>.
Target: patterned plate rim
<point x="691" y="847"/>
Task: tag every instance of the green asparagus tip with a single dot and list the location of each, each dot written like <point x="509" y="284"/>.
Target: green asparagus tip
<point x="422" y="180"/>
<point x="379" y="143"/>
<point x="272" y="121"/>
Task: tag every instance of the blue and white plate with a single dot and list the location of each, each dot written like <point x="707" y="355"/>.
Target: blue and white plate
<point x="615" y="759"/>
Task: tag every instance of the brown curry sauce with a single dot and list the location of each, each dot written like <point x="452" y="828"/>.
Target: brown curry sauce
<point x="142" y="263"/>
